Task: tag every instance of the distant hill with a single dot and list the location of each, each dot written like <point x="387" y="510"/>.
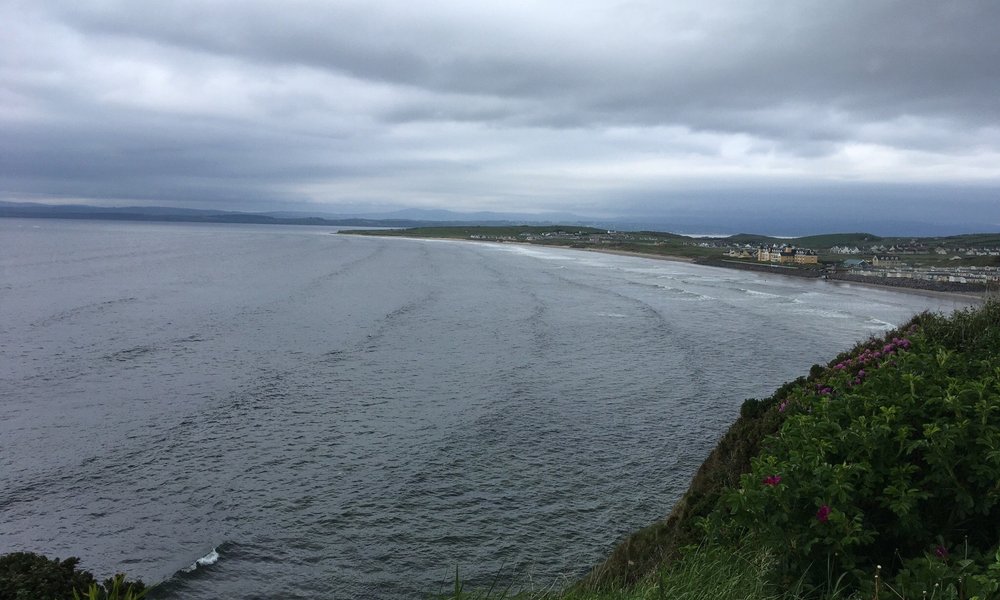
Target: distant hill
<point x="188" y="215"/>
<point x="837" y="239"/>
<point x="448" y="219"/>
<point x="752" y="238"/>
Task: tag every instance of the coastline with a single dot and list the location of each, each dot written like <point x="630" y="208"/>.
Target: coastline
<point x="974" y="297"/>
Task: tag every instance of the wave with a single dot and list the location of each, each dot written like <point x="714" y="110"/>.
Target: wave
<point x="879" y="324"/>
<point x="209" y="559"/>
<point x="532" y="252"/>
<point x="763" y="294"/>
<point x="819" y="312"/>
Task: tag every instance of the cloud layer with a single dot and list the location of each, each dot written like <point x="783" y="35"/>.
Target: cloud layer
<point x="601" y="108"/>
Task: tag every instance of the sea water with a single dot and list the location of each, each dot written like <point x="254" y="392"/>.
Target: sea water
<point x="265" y="411"/>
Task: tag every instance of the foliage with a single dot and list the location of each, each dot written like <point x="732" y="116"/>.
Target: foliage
<point x="115" y="588"/>
<point x="974" y="575"/>
<point x="703" y="572"/>
<point x="895" y="449"/>
<point x="29" y="576"/>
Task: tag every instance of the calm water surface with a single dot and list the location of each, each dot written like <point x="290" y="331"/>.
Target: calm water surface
<point x="346" y="417"/>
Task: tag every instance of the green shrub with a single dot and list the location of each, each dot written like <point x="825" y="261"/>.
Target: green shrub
<point x="974" y="575"/>
<point x="895" y="449"/>
<point x="29" y="576"/>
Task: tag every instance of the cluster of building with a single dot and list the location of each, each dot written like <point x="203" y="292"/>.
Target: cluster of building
<point x="915" y="248"/>
<point x="884" y="262"/>
<point x="787" y="254"/>
<point x="981" y="275"/>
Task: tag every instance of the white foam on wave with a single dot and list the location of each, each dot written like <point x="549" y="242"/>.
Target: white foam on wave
<point x="209" y="559"/>
<point x="532" y="252"/>
<point x="688" y="296"/>
<point x="819" y="312"/>
<point x="763" y="294"/>
<point x="873" y="323"/>
<point x="612" y="315"/>
<point x="682" y="294"/>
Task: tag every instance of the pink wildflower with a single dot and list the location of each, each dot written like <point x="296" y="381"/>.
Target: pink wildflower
<point x="941" y="552"/>
<point x="823" y="514"/>
<point x="783" y="406"/>
<point x="772" y="480"/>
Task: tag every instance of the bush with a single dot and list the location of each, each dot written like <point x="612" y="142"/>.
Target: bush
<point x="894" y="450"/>
<point x="29" y="576"/>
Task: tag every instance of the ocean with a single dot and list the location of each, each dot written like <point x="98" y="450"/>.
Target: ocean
<point x="252" y="411"/>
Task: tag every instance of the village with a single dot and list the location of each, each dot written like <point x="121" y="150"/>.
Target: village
<point x="886" y="262"/>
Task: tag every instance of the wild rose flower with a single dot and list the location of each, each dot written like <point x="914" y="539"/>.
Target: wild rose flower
<point x="772" y="480"/>
<point x="823" y="514"/>
<point x="941" y="552"/>
<point x="861" y="373"/>
<point x="783" y="406"/>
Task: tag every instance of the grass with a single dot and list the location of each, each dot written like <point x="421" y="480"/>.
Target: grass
<point x="115" y="588"/>
<point x="706" y="573"/>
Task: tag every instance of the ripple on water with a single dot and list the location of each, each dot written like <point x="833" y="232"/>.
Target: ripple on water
<point x="311" y="415"/>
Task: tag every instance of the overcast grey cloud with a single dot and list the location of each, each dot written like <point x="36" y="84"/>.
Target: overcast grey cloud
<point x="607" y="109"/>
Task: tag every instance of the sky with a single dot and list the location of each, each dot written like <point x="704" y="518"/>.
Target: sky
<point x="803" y="115"/>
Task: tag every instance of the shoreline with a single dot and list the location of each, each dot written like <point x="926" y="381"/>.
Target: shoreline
<point x="973" y="297"/>
<point x="976" y="297"/>
<point x="668" y="257"/>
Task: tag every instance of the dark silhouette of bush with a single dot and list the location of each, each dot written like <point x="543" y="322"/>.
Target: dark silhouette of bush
<point x="30" y="576"/>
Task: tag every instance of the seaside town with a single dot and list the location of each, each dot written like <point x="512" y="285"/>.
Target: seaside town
<point x="955" y="263"/>
<point x="892" y="262"/>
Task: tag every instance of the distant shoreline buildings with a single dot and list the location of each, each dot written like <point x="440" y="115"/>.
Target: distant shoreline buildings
<point x="787" y="254"/>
